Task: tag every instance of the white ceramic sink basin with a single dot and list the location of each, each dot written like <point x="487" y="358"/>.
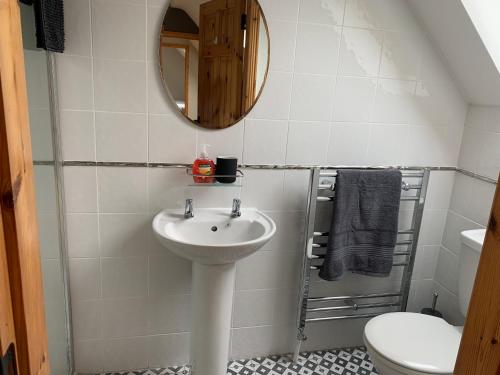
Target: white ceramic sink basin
<point x="212" y="236"/>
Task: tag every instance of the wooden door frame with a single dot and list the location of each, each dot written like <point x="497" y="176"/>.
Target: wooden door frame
<point x="17" y="200"/>
<point x="479" y="352"/>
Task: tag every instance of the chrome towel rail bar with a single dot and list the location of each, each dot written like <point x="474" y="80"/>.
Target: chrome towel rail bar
<point x="413" y="179"/>
<point x="354" y="307"/>
<point x="359" y="296"/>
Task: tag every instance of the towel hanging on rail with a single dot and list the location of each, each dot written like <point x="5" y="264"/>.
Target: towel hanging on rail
<point x="364" y="225"/>
<point x="49" y="19"/>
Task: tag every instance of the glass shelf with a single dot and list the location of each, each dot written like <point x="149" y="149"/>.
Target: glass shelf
<point x="238" y="176"/>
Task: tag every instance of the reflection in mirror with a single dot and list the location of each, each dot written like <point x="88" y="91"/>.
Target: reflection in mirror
<point x="214" y="58"/>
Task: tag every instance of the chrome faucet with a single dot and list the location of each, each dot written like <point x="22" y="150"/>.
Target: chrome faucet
<point x="236" y="211"/>
<point x="188" y="209"/>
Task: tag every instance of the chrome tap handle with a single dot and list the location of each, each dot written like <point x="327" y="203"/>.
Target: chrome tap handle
<point x="236" y="211"/>
<point x="188" y="209"/>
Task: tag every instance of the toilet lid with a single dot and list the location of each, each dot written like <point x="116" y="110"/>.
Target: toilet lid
<point x="415" y="341"/>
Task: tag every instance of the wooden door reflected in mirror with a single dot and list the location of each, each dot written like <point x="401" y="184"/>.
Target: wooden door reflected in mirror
<point x="214" y="58"/>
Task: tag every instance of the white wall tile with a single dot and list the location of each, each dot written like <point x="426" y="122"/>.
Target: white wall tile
<point x="280" y="9"/>
<point x="155" y="16"/>
<point x="169" y="274"/>
<point x="440" y="189"/>
<point x="330" y="12"/>
<point x="48" y="233"/>
<point x="120" y="37"/>
<point x="265" y="142"/>
<point x="308" y="143"/>
<point x="120" y="86"/>
<point x="133" y="131"/>
<point x="169" y="314"/>
<point x="77" y="135"/>
<point x="354" y="99"/>
<point x="283" y="36"/>
<point x="128" y="353"/>
<point x="454" y="225"/>
<point x="124" y="317"/>
<point x="88" y="356"/>
<point x="274" y="102"/>
<point x="124" y="277"/>
<point x="224" y="142"/>
<point x="167" y="188"/>
<point x="387" y="144"/>
<point x="384" y="14"/>
<point x="348" y="144"/>
<point x="80" y="189"/>
<point x="290" y="227"/>
<point x="82" y="235"/>
<point x="256" y="341"/>
<point x="320" y="41"/>
<point x="400" y="55"/>
<point x="74" y="82"/>
<point x="86" y="319"/>
<point x="433" y="223"/>
<point x="394" y="102"/>
<point x="312" y="98"/>
<point x="41" y="134"/>
<point x="168" y="350"/>
<point x="162" y="128"/>
<point x="122" y="190"/>
<point x="77" y="28"/>
<point x="447" y="270"/>
<point x="253" y="308"/>
<point x="360" y="52"/>
<point x="84" y="279"/>
<point x="263" y="189"/>
<point x="124" y="234"/>
<point x="45" y="189"/>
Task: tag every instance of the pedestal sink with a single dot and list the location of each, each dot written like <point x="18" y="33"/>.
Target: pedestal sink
<point x="214" y="242"/>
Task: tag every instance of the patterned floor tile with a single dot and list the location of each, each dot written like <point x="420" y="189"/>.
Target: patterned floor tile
<point x="352" y="361"/>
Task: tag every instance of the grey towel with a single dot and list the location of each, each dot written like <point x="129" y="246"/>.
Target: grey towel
<point x="49" y="19"/>
<point x="364" y="226"/>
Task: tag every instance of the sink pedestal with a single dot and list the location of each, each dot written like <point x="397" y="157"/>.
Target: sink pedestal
<point x="213" y="291"/>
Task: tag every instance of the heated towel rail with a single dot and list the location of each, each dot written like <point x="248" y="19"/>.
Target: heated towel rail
<point x="323" y="307"/>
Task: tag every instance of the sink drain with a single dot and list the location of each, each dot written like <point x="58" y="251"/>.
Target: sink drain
<point x="214" y="229"/>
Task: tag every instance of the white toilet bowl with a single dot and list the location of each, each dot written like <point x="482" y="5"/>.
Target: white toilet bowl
<point x="411" y="344"/>
<point x="404" y="343"/>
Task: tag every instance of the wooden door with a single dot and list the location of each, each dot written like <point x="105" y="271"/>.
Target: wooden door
<point x="220" y="77"/>
<point x="251" y="55"/>
<point x="480" y="347"/>
<point x="21" y="282"/>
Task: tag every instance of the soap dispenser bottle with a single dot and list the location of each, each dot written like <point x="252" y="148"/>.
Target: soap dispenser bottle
<point x="203" y="166"/>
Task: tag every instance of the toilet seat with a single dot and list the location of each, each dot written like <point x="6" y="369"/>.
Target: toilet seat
<point x="420" y="343"/>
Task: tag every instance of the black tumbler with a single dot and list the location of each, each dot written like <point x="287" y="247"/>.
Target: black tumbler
<point x="226" y="166"/>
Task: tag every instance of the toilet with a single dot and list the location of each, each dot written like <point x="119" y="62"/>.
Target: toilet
<point x="404" y="343"/>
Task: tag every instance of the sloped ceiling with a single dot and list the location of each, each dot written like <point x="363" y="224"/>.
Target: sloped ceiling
<point x="453" y="32"/>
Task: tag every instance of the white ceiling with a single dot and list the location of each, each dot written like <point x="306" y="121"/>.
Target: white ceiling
<point x="462" y="48"/>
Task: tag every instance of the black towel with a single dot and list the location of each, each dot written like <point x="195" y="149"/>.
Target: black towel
<point x="364" y="226"/>
<point x="49" y="19"/>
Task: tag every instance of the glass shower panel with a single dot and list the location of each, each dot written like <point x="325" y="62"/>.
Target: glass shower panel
<point x="41" y="120"/>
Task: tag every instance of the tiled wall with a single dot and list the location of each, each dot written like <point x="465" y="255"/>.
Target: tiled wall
<point x="471" y="200"/>
<point x="351" y="82"/>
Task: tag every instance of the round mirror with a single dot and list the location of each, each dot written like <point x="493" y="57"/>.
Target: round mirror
<point x="214" y="58"/>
